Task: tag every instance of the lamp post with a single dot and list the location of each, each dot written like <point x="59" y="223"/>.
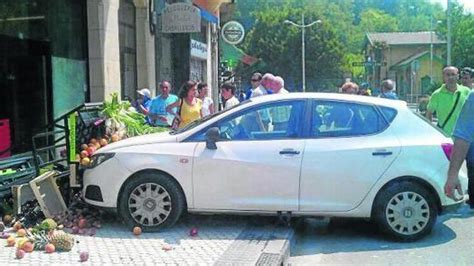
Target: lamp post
<point x="302" y="26"/>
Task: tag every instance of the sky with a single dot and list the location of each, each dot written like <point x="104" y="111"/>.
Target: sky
<point x="468" y="4"/>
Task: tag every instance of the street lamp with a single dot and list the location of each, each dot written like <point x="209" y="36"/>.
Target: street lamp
<point x="302" y="26"/>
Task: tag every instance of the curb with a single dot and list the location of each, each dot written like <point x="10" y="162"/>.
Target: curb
<point x="259" y="245"/>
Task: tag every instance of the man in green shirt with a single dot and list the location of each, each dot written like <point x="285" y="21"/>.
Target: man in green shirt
<point x="447" y="101"/>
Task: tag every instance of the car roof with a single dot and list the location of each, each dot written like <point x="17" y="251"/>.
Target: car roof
<point x="332" y="96"/>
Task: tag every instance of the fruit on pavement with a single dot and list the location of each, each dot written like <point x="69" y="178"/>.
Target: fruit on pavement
<point x="20" y="253"/>
<point x="49" y="248"/>
<point x="137" y="230"/>
<point x="11" y="241"/>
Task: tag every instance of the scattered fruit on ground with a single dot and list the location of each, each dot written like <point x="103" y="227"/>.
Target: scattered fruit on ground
<point x="20" y="253"/>
<point x="166" y="247"/>
<point x="49" y="248"/>
<point x="83" y="256"/>
<point x="21" y="242"/>
<point x="193" y="232"/>
<point x="21" y="232"/>
<point x="28" y="246"/>
<point x="137" y="230"/>
<point x="7" y="219"/>
<point x="5" y="235"/>
<point x="17" y="226"/>
<point x="82" y="223"/>
<point x="11" y="241"/>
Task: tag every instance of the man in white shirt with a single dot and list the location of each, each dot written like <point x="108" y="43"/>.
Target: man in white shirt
<point x="278" y="86"/>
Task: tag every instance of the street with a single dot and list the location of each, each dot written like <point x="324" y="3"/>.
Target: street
<point x="356" y="242"/>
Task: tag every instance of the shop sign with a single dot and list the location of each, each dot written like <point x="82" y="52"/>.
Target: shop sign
<point x="181" y="18"/>
<point x="198" y="50"/>
<point x="233" y="32"/>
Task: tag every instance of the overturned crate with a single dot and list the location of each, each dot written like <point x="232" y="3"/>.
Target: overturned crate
<point x="47" y="194"/>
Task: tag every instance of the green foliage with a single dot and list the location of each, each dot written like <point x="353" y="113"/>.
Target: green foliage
<point x="347" y="64"/>
<point x="462" y="36"/>
<point x="279" y="45"/>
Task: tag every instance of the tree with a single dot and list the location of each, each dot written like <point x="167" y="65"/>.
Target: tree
<point x="462" y="36"/>
<point x="279" y="46"/>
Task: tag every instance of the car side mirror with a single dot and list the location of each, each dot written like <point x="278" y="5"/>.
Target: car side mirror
<point x="212" y="136"/>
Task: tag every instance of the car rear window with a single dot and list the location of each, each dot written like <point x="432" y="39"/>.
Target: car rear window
<point x="388" y="113"/>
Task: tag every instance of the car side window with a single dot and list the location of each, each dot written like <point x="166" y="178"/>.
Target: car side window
<point x="279" y="120"/>
<point x="342" y="119"/>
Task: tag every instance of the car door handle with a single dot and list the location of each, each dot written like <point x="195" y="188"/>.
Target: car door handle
<point x="381" y="153"/>
<point x="289" y="152"/>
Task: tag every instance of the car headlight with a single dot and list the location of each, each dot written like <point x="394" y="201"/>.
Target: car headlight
<point x="99" y="158"/>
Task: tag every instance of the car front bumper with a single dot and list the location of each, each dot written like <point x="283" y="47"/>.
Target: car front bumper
<point x="101" y="185"/>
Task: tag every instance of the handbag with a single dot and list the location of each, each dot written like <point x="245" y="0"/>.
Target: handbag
<point x="176" y="120"/>
<point x="450" y="113"/>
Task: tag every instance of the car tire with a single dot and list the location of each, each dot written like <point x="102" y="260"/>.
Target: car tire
<point x="152" y="201"/>
<point x="406" y="211"/>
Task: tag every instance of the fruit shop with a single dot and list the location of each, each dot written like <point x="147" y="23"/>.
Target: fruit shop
<point x="40" y="191"/>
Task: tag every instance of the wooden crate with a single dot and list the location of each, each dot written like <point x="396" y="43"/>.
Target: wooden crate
<point x="47" y="194"/>
<point x="21" y="194"/>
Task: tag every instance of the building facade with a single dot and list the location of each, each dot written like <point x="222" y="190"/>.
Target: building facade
<point x="412" y="59"/>
<point x="57" y="54"/>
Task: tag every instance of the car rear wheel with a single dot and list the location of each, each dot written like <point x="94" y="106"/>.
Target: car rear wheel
<point x="152" y="201"/>
<point x="406" y="211"/>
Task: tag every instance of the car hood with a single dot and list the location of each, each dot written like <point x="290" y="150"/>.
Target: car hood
<point x="161" y="137"/>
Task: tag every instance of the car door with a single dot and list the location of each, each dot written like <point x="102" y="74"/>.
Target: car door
<point x="256" y="165"/>
<point x="349" y="148"/>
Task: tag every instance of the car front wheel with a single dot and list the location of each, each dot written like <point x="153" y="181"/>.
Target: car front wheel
<point x="151" y="201"/>
<point x="406" y="211"/>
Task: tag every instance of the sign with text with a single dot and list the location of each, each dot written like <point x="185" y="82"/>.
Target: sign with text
<point x="198" y="50"/>
<point x="366" y="64"/>
<point x="233" y="32"/>
<point x="181" y="18"/>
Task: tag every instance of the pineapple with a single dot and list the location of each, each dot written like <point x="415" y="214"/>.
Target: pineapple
<point x="61" y="240"/>
<point x="40" y="240"/>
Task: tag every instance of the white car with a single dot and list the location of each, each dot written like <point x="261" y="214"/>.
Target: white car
<point x="311" y="154"/>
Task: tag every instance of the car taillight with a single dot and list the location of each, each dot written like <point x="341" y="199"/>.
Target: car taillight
<point x="448" y="149"/>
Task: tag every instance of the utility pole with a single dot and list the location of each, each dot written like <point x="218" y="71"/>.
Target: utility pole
<point x="448" y="61"/>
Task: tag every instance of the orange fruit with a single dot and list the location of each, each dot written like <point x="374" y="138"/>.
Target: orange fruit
<point x="137" y="230"/>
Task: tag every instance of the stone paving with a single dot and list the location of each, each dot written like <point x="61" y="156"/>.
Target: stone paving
<point x="218" y="236"/>
<point x="115" y="244"/>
